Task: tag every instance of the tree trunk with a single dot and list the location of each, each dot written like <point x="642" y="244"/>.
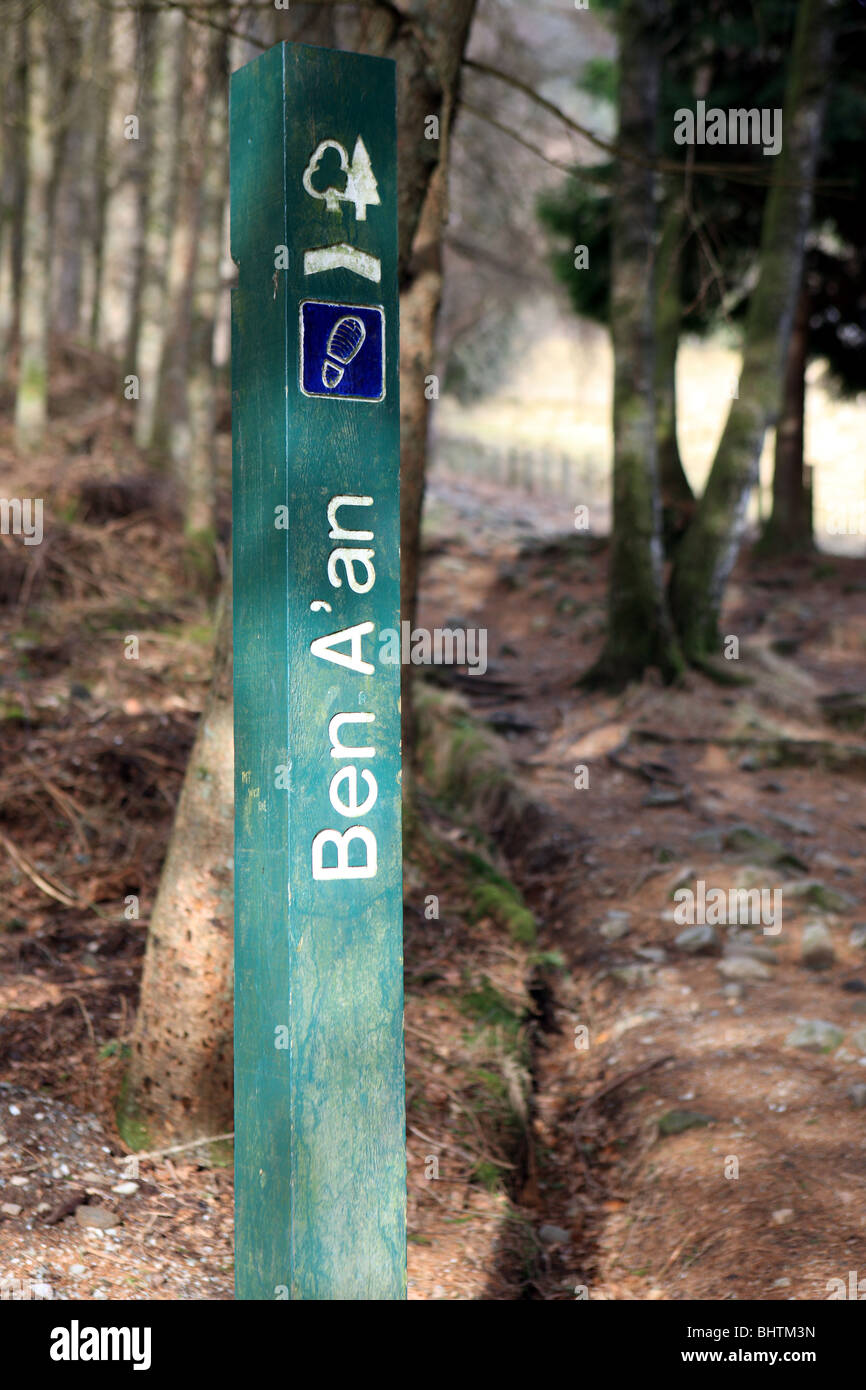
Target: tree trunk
<point x="419" y="310"/>
<point x="709" y="548"/>
<point x="118" y="291"/>
<point x="7" y="293"/>
<point x="789" y="529"/>
<point x="676" y="494"/>
<point x="96" y="175"/>
<point x="639" y="632"/>
<point x="198" y="467"/>
<point x="172" y="428"/>
<point x="12" y="188"/>
<point x="173" y="425"/>
<point x="169" y="69"/>
<point x="179" y="1080"/>
<point x="74" y="168"/>
<point x="31" y="401"/>
<point x="428" y="84"/>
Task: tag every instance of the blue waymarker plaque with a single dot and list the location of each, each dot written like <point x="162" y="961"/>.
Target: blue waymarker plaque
<point x="342" y="350"/>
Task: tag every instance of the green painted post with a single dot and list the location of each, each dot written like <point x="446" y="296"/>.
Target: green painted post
<point x="319" y="1090"/>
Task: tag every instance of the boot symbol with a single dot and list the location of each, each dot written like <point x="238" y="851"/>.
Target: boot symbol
<point x="344" y="343"/>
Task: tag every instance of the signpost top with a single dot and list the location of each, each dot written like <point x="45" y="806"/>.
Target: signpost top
<point x="334" y="115"/>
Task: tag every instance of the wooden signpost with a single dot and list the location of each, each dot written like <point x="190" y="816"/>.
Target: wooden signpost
<point x="319" y="1090"/>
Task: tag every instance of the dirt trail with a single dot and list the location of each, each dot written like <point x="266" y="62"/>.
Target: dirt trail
<point x="759" y="1190"/>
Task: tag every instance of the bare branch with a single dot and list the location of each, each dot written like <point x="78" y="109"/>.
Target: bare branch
<point x="507" y="130"/>
<point x="747" y="173"/>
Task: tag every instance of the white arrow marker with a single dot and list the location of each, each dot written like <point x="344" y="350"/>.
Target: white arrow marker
<point x="343" y="257"/>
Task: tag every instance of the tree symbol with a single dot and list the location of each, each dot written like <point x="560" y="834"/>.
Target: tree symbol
<point x="360" y="182"/>
<point x="361" y="186"/>
<point x="331" y="193"/>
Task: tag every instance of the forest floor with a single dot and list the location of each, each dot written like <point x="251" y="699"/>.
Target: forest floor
<point x="687" y="1145"/>
<point x="593" y="1110"/>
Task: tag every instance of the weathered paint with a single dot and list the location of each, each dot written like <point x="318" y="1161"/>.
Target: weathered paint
<point x="319" y="1092"/>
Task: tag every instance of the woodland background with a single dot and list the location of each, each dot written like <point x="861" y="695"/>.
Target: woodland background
<point x="645" y="439"/>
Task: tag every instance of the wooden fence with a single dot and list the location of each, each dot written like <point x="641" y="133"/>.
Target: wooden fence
<point x="538" y="471"/>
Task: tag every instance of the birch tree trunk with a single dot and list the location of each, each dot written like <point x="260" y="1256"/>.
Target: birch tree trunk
<point x="164" y="136"/>
<point x="118" y="292"/>
<point x="75" y="159"/>
<point x="639" y="631"/>
<point x="173" y="426"/>
<point x="7" y="289"/>
<point x="12" y="186"/>
<point x="199" y="465"/>
<point x="96" y="173"/>
<point x="31" y="401"/>
<point x="709" y="548"/>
